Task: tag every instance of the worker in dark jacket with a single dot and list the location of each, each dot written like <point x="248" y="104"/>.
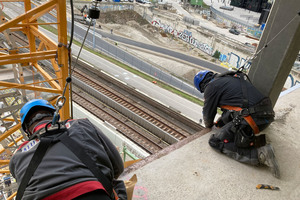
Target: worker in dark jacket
<point x="245" y="112"/>
<point x="61" y="174"/>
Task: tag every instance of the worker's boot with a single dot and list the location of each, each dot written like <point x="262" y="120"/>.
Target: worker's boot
<point x="266" y="156"/>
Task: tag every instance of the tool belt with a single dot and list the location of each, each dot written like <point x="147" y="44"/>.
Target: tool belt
<point x="244" y="137"/>
<point x="244" y="113"/>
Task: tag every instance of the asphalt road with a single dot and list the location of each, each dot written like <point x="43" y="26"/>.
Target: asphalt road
<point x="165" y="51"/>
<point x="96" y="41"/>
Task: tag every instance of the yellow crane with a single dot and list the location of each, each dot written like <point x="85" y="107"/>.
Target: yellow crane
<point x="20" y="62"/>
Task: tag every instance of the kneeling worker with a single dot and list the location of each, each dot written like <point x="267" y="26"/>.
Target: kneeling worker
<point x="70" y="160"/>
<point x="246" y="112"/>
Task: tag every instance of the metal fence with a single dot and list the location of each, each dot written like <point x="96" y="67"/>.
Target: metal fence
<point x="95" y="41"/>
<point x="158" y="73"/>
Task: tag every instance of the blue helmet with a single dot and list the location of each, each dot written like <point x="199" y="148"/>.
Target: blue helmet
<point x="199" y="77"/>
<point x="33" y="105"/>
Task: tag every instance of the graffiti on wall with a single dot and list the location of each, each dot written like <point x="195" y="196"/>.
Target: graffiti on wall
<point x="187" y="32"/>
<point x="205" y="12"/>
<point x="233" y="60"/>
<point x="185" y="36"/>
<point x="291" y="81"/>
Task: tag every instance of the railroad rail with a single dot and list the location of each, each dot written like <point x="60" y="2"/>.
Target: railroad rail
<point x="140" y="136"/>
<point x="177" y="126"/>
<point x="158" y="121"/>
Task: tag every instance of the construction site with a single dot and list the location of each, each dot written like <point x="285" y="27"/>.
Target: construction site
<point x="129" y="67"/>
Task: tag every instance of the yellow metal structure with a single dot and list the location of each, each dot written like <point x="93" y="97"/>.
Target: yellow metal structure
<point x="25" y="61"/>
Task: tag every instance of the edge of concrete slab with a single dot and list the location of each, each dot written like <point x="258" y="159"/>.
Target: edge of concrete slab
<point x="163" y="152"/>
<point x="192" y="170"/>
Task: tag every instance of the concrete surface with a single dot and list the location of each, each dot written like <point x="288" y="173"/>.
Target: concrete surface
<point x="192" y="170"/>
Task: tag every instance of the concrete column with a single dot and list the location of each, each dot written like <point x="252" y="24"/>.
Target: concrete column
<point x="273" y="64"/>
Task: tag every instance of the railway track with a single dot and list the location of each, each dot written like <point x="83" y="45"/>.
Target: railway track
<point x="142" y="137"/>
<point x="158" y="121"/>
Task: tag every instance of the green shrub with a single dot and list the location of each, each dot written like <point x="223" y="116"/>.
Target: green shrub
<point x="217" y="54"/>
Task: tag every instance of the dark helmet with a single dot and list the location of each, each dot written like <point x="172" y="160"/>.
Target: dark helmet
<point x="199" y="77"/>
<point x="31" y="106"/>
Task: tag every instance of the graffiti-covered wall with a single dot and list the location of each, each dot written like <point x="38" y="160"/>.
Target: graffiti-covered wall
<point x="293" y="79"/>
<point x="184" y="35"/>
<point x="232" y="60"/>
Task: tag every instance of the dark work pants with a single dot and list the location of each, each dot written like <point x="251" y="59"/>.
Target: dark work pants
<point x="96" y="194"/>
<point x="244" y="155"/>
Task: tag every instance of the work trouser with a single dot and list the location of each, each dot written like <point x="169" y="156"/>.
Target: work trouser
<point x="96" y="194"/>
<point x="223" y="141"/>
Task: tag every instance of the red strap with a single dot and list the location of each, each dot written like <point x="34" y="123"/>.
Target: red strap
<point x="248" y="118"/>
<point x="76" y="190"/>
<point x="116" y="195"/>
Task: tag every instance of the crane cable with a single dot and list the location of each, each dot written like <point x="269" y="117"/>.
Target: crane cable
<point x="62" y="99"/>
<point x="69" y="55"/>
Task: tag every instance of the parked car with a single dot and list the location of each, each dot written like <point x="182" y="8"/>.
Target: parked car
<point x="234" y="31"/>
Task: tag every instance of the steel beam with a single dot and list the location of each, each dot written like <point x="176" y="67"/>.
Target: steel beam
<point x="29" y="87"/>
<point x="10" y="131"/>
<point x="26" y="15"/>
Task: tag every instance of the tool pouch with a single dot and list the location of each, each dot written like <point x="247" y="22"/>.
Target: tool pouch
<point x="260" y="141"/>
<point x="226" y="117"/>
<point x="243" y="138"/>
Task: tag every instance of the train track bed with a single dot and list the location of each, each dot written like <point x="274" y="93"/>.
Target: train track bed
<point x="172" y="116"/>
<point x="167" y="120"/>
<point x="143" y="112"/>
<point x="134" y="132"/>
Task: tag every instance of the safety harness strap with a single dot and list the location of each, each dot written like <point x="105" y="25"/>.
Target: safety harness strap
<point x="244" y="89"/>
<point x="85" y="159"/>
<point x="247" y="117"/>
<point x="34" y="163"/>
<point x="74" y="147"/>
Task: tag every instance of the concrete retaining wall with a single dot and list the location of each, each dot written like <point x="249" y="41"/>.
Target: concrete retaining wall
<point x="126" y="112"/>
<point x="117" y="138"/>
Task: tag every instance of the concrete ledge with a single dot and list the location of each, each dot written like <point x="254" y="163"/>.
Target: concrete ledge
<point x="163" y="152"/>
<point x="192" y="170"/>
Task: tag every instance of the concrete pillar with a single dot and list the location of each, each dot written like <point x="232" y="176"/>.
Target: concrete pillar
<point x="273" y="64"/>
